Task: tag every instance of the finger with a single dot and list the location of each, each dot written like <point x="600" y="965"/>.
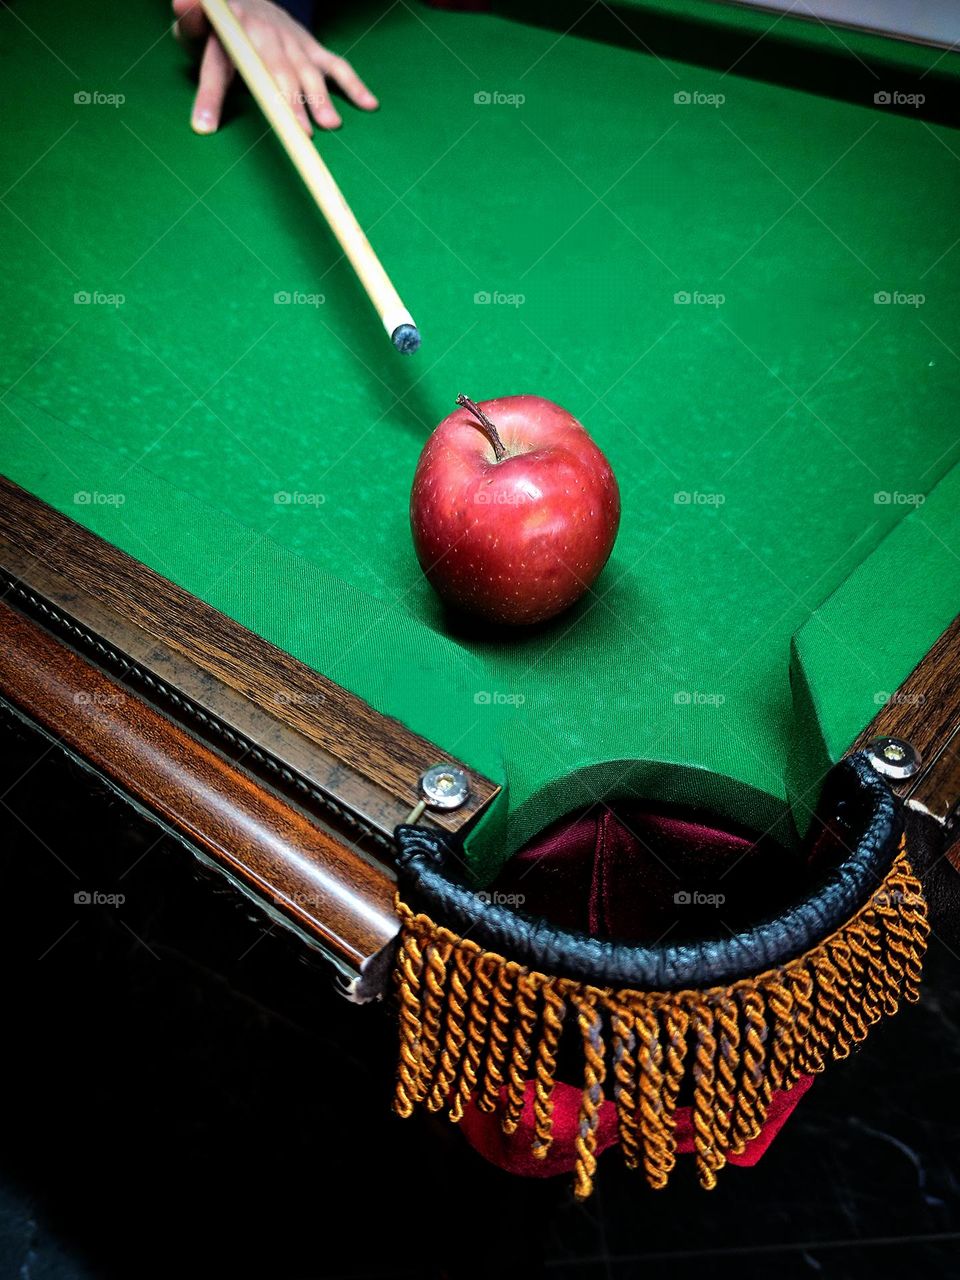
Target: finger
<point x="340" y="70"/>
<point x="288" y="80"/>
<point x="216" y="72"/>
<point x="266" y="39"/>
<point x="317" y="97"/>
<point x="191" y="22"/>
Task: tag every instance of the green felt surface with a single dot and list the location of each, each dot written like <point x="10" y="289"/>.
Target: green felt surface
<point x="732" y="30"/>
<point x="751" y="438"/>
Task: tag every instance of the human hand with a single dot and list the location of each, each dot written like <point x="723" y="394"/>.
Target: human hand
<point x="300" y="65"/>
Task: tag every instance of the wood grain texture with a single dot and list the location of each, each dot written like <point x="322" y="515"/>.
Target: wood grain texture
<point x="264" y="743"/>
<point x="319" y="882"/>
<point x="368" y="761"/>
<point x="925" y="711"/>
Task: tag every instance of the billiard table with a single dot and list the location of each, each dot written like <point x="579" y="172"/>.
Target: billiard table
<point x="725" y="239"/>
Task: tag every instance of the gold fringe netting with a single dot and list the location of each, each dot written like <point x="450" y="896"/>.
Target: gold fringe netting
<point x="476" y="1025"/>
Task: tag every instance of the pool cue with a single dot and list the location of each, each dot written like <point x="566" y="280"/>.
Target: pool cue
<point x="321" y="184"/>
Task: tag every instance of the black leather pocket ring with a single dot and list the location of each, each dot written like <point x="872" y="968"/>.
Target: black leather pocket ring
<point x="856" y="803"/>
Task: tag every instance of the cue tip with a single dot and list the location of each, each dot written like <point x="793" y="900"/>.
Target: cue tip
<point x="406" y="338"/>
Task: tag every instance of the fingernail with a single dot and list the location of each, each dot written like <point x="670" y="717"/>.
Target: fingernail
<point x="203" y="122"/>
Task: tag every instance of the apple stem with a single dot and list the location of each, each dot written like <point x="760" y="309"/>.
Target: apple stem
<point x="499" y="451"/>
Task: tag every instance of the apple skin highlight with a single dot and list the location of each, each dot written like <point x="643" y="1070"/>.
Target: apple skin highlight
<point x="516" y="541"/>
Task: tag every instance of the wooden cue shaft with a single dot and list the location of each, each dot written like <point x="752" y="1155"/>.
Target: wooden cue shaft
<point x="314" y="172"/>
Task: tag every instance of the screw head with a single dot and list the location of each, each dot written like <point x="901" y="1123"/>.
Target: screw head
<point x="893" y="758"/>
<point x="445" y="786"/>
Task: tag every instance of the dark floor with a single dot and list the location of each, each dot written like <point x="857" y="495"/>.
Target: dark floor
<point x="185" y="1096"/>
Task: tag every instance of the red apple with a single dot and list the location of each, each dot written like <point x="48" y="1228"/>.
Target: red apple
<point x="514" y="509"/>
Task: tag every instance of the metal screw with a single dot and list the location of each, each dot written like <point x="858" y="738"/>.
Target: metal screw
<point x="445" y="786"/>
<point x="893" y="758"/>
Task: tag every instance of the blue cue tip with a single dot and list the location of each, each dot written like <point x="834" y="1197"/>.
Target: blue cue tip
<point x="406" y="338"/>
